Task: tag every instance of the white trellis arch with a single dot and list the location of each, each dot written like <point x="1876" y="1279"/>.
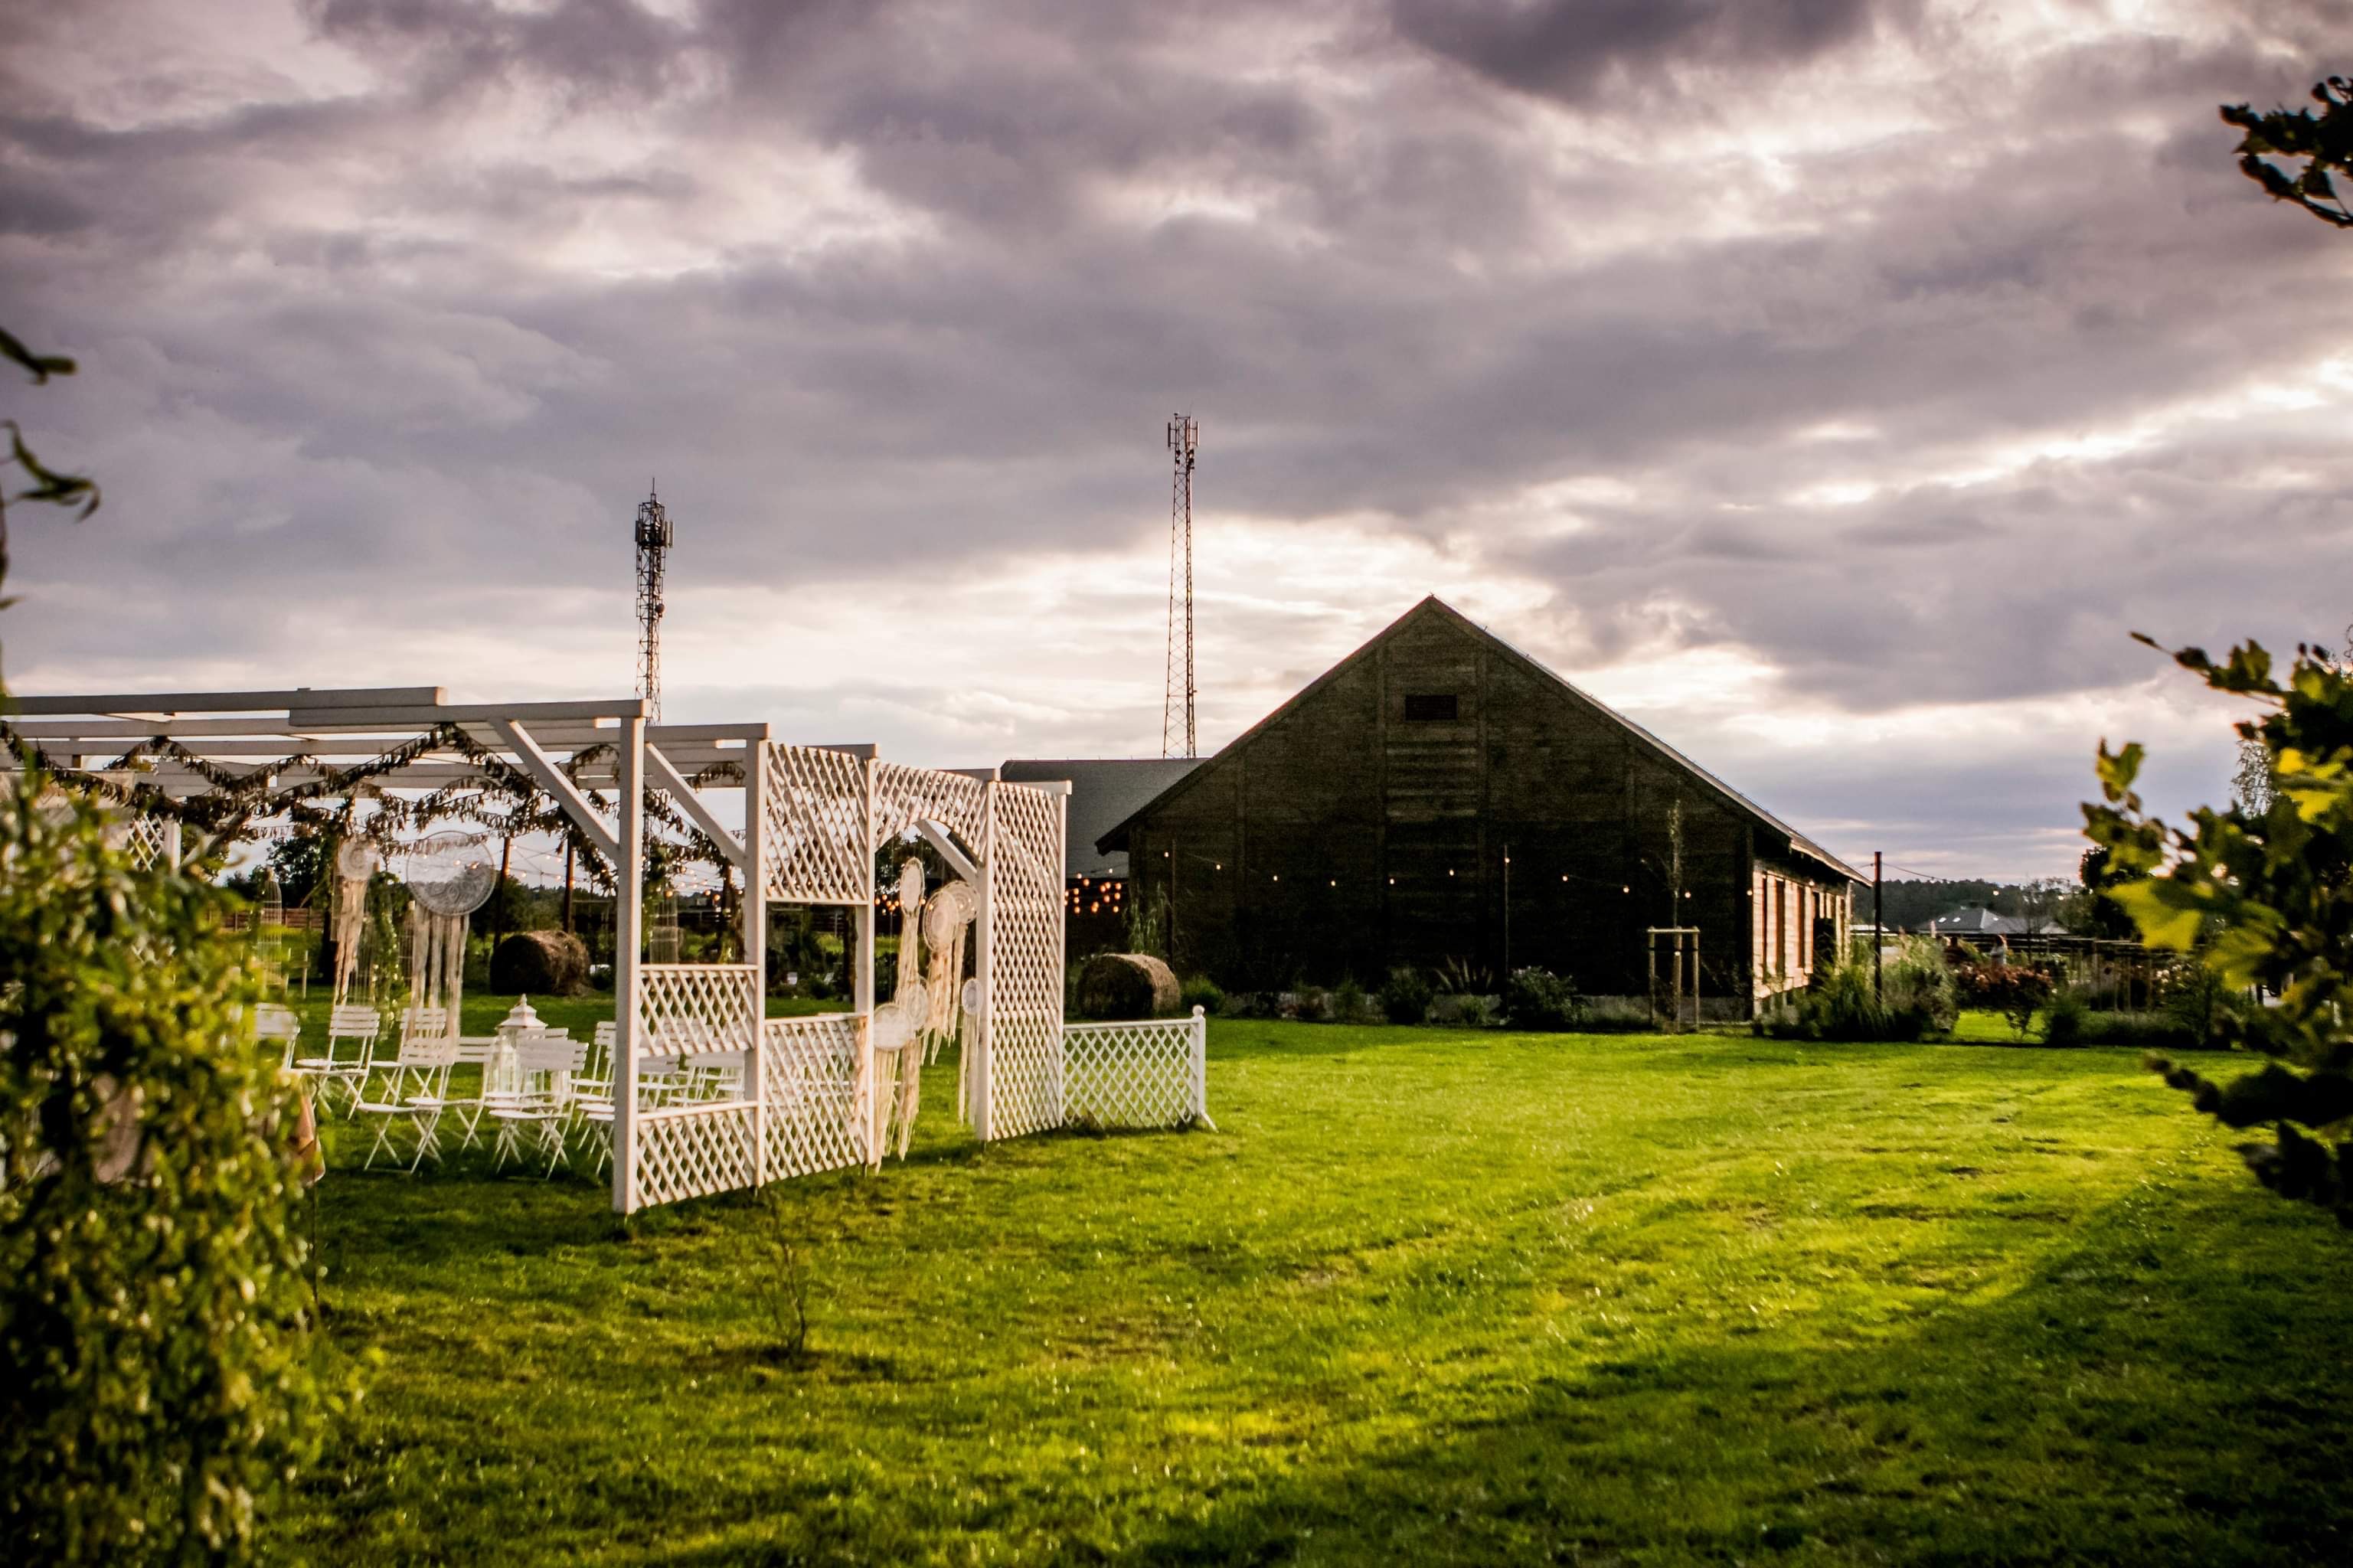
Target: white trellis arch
<point x="812" y="819"/>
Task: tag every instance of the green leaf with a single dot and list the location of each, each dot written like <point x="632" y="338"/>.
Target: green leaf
<point x="2166" y="920"/>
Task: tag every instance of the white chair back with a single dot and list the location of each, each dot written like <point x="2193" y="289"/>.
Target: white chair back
<point x="272" y="1021"/>
<point x="423" y="1023"/>
<point x="549" y="1059"/>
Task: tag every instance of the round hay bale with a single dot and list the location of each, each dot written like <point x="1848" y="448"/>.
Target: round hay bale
<point x="1127" y="986"/>
<point x="540" y="964"/>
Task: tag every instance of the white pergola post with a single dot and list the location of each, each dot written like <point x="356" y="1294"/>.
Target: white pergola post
<point x="861" y="993"/>
<point x="983" y="963"/>
<point x="628" y="893"/>
<point x="756" y="944"/>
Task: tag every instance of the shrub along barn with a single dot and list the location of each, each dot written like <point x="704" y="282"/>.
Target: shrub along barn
<point x="1439" y="798"/>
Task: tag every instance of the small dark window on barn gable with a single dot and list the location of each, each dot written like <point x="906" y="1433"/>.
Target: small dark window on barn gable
<point x="1429" y="708"/>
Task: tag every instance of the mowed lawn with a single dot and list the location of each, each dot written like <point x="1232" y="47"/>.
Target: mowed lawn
<point x="1423" y="1297"/>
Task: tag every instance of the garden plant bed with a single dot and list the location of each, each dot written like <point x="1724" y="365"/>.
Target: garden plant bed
<point x="1425" y="1296"/>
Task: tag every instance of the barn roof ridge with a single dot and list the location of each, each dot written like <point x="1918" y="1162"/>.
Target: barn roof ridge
<point x="1431" y="603"/>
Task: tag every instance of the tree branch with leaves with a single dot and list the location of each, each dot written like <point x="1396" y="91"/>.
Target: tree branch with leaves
<point x="2323" y="140"/>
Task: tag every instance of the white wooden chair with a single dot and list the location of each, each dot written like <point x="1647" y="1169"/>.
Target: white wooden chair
<point x="359" y="1026"/>
<point x="549" y="1059"/>
<point x="272" y="1021"/>
<point x="417" y="1089"/>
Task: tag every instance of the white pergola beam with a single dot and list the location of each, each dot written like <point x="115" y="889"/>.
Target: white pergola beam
<point x="550" y="778"/>
<point x="303" y="698"/>
<point x="937" y="838"/>
<point x="424" y="716"/>
<point x="662" y="775"/>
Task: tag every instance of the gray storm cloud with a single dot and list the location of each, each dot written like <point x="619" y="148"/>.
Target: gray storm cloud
<point x="1911" y="361"/>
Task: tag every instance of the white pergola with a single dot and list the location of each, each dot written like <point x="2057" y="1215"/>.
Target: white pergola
<point x="812" y="818"/>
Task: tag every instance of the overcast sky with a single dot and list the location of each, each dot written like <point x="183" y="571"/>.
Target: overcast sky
<point x="1831" y="385"/>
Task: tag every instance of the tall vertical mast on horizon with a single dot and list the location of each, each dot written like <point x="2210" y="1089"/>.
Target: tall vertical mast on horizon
<point x="1184" y="440"/>
<point x="653" y="535"/>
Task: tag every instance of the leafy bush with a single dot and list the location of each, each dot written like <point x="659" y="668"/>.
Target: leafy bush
<point x="153" y="1311"/>
<point x="2258" y="894"/>
<point x="1915" y="999"/>
<point x="1462" y="1009"/>
<point x="1613" y="1014"/>
<point x="1916" y="990"/>
<point x="2067" y="1021"/>
<point x="1350" y="1005"/>
<point x="2016" y="991"/>
<point x="1203" y="993"/>
<point x="1461" y="977"/>
<point x="1405" y="996"/>
<point x="1309" y="1005"/>
<point x="1539" y="999"/>
<point x="2071" y="1021"/>
<point x="1246" y="1004"/>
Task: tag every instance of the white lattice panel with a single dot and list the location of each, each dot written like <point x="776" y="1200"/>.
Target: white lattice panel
<point x="143" y="841"/>
<point x="1129" y="1075"/>
<point x="1025" y="992"/>
<point x="693" y="1151"/>
<point x="904" y="796"/>
<point x="817" y="1107"/>
<point x="698" y="1008"/>
<point x="817" y="847"/>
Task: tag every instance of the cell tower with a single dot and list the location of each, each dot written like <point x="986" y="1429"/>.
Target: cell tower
<point x="653" y="547"/>
<point x="1184" y="440"/>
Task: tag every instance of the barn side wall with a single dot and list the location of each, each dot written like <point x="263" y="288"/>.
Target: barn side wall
<point x="1345" y="838"/>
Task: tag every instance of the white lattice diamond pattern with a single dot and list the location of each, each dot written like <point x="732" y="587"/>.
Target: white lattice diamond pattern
<point x="691" y="1151"/>
<point x="817" y="847"/>
<point x="143" y="838"/>
<point x="904" y="796"/>
<point x="698" y="1008"/>
<point x="1024" y="995"/>
<point x="1128" y="1075"/>
<point x="816" y="1107"/>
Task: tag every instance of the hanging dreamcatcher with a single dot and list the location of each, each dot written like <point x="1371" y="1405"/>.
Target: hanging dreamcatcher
<point x="356" y="863"/>
<point x="898" y="1027"/>
<point x="450" y="876"/>
<point x="947" y="918"/>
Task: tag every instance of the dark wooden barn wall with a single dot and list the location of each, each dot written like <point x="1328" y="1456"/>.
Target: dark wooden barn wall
<point x="1344" y="838"/>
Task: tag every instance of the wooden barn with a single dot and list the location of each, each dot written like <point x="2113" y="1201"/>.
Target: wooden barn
<point x="1439" y="798"/>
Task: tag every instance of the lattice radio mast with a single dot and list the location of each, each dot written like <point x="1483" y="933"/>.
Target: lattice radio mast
<point x="1184" y="440"/>
<point x="653" y="546"/>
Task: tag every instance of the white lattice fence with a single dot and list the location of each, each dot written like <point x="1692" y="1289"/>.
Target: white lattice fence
<point x="693" y="1151"/>
<point x="816" y="1102"/>
<point x="904" y="796"/>
<point x="1025" y="992"/>
<point x="144" y="840"/>
<point x="816" y="848"/>
<point x="1147" y="1073"/>
<point x="698" y="1008"/>
<point x="688" y="1151"/>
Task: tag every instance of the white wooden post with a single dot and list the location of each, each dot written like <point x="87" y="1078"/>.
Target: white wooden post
<point x="1060" y="794"/>
<point x="756" y="945"/>
<point x="1199" y="1048"/>
<point x="628" y="892"/>
<point x="984" y="963"/>
<point x="863" y="983"/>
<point x="172" y="843"/>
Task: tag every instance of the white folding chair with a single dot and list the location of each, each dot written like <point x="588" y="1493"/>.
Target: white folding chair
<point x="272" y="1021"/>
<point x="549" y="1059"/>
<point x="417" y="1091"/>
<point x="591" y="1111"/>
<point x="355" y="1024"/>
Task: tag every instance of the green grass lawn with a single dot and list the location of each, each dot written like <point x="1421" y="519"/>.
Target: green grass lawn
<point x="1423" y="1297"/>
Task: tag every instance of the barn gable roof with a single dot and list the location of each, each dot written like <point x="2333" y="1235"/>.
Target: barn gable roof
<point x="1116" y="839"/>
